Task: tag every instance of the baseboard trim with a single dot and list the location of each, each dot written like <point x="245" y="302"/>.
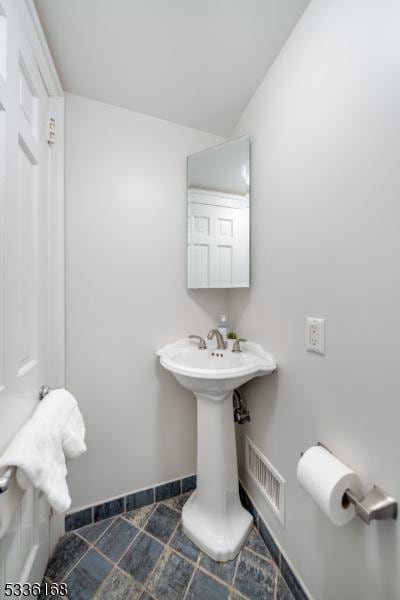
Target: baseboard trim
<point x="116" y="505"/>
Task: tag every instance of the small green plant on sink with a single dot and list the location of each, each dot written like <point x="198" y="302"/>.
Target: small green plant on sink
<point x="232" y="335"/>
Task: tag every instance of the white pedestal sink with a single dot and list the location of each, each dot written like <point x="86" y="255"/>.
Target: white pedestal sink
<point x="213" y="517"/>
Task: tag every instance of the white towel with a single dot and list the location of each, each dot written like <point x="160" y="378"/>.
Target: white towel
<point x="54" y="432"/>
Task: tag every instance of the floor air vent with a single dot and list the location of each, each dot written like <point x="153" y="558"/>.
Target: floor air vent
<point x="267" y="479"/>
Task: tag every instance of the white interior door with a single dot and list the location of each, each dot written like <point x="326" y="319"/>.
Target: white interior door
<point x="218" y="242"/>
<point x="24" y="159"/>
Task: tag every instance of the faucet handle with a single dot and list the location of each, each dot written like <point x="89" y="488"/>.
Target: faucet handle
<point x="236" y="345"/>
<point x="202" y="344"/>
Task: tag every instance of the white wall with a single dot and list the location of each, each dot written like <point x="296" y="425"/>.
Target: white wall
<point x="126" y="296"/>
<point x="325" y="129"/>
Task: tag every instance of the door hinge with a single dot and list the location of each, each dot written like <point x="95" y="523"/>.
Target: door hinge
<point x="51" y="131"/>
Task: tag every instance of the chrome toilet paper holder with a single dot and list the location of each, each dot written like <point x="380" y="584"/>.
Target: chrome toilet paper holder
<point x="377" y="505"/>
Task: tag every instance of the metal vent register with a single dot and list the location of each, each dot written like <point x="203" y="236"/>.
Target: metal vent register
<point x="270" y="483"/>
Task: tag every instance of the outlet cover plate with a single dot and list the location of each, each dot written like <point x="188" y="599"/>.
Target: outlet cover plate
<point x="315" y="341"/>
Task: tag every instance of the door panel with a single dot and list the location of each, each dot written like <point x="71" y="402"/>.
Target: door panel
<point x="24" y="159"/>
<point x="218" y="246"/>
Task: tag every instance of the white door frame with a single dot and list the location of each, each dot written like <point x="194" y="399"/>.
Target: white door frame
<point x="56" y="342"/>
<point x="56" y="339"/>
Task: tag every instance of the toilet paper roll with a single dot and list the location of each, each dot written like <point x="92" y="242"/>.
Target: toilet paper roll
<point x="326" y="479"/>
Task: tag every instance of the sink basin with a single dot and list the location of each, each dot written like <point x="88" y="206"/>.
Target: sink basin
<point x="214" y="371"/>
<point x="213" y="517"/>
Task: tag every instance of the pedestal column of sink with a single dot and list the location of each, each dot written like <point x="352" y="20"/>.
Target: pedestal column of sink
<point x="213" y="517"/>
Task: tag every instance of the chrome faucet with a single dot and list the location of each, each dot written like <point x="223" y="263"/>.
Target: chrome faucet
<point x="202" y="345"/>
<point x="220" y="340"/>
<point x="236" y="344"/>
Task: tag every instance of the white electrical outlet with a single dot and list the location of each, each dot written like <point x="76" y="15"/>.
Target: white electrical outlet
<point x="315" y="335"/>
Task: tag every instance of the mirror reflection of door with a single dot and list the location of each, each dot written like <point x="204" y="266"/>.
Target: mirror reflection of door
<point x="219" y="216"/>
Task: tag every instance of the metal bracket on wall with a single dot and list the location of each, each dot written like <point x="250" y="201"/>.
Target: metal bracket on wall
<point x="377" y="505"/>
<point x="44" y="390"/>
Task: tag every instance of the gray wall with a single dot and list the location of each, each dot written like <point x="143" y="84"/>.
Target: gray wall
<point x="126" y="296"/>
<point x="325" y="128"/>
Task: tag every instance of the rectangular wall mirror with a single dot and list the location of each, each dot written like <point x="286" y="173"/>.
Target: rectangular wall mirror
<point x="218" y="197"/>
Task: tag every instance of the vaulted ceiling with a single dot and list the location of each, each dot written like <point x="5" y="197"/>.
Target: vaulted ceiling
<point x="193" y="62"/>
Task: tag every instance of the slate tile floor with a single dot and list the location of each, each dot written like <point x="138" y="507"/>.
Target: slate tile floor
<point x="144" y="554"/>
